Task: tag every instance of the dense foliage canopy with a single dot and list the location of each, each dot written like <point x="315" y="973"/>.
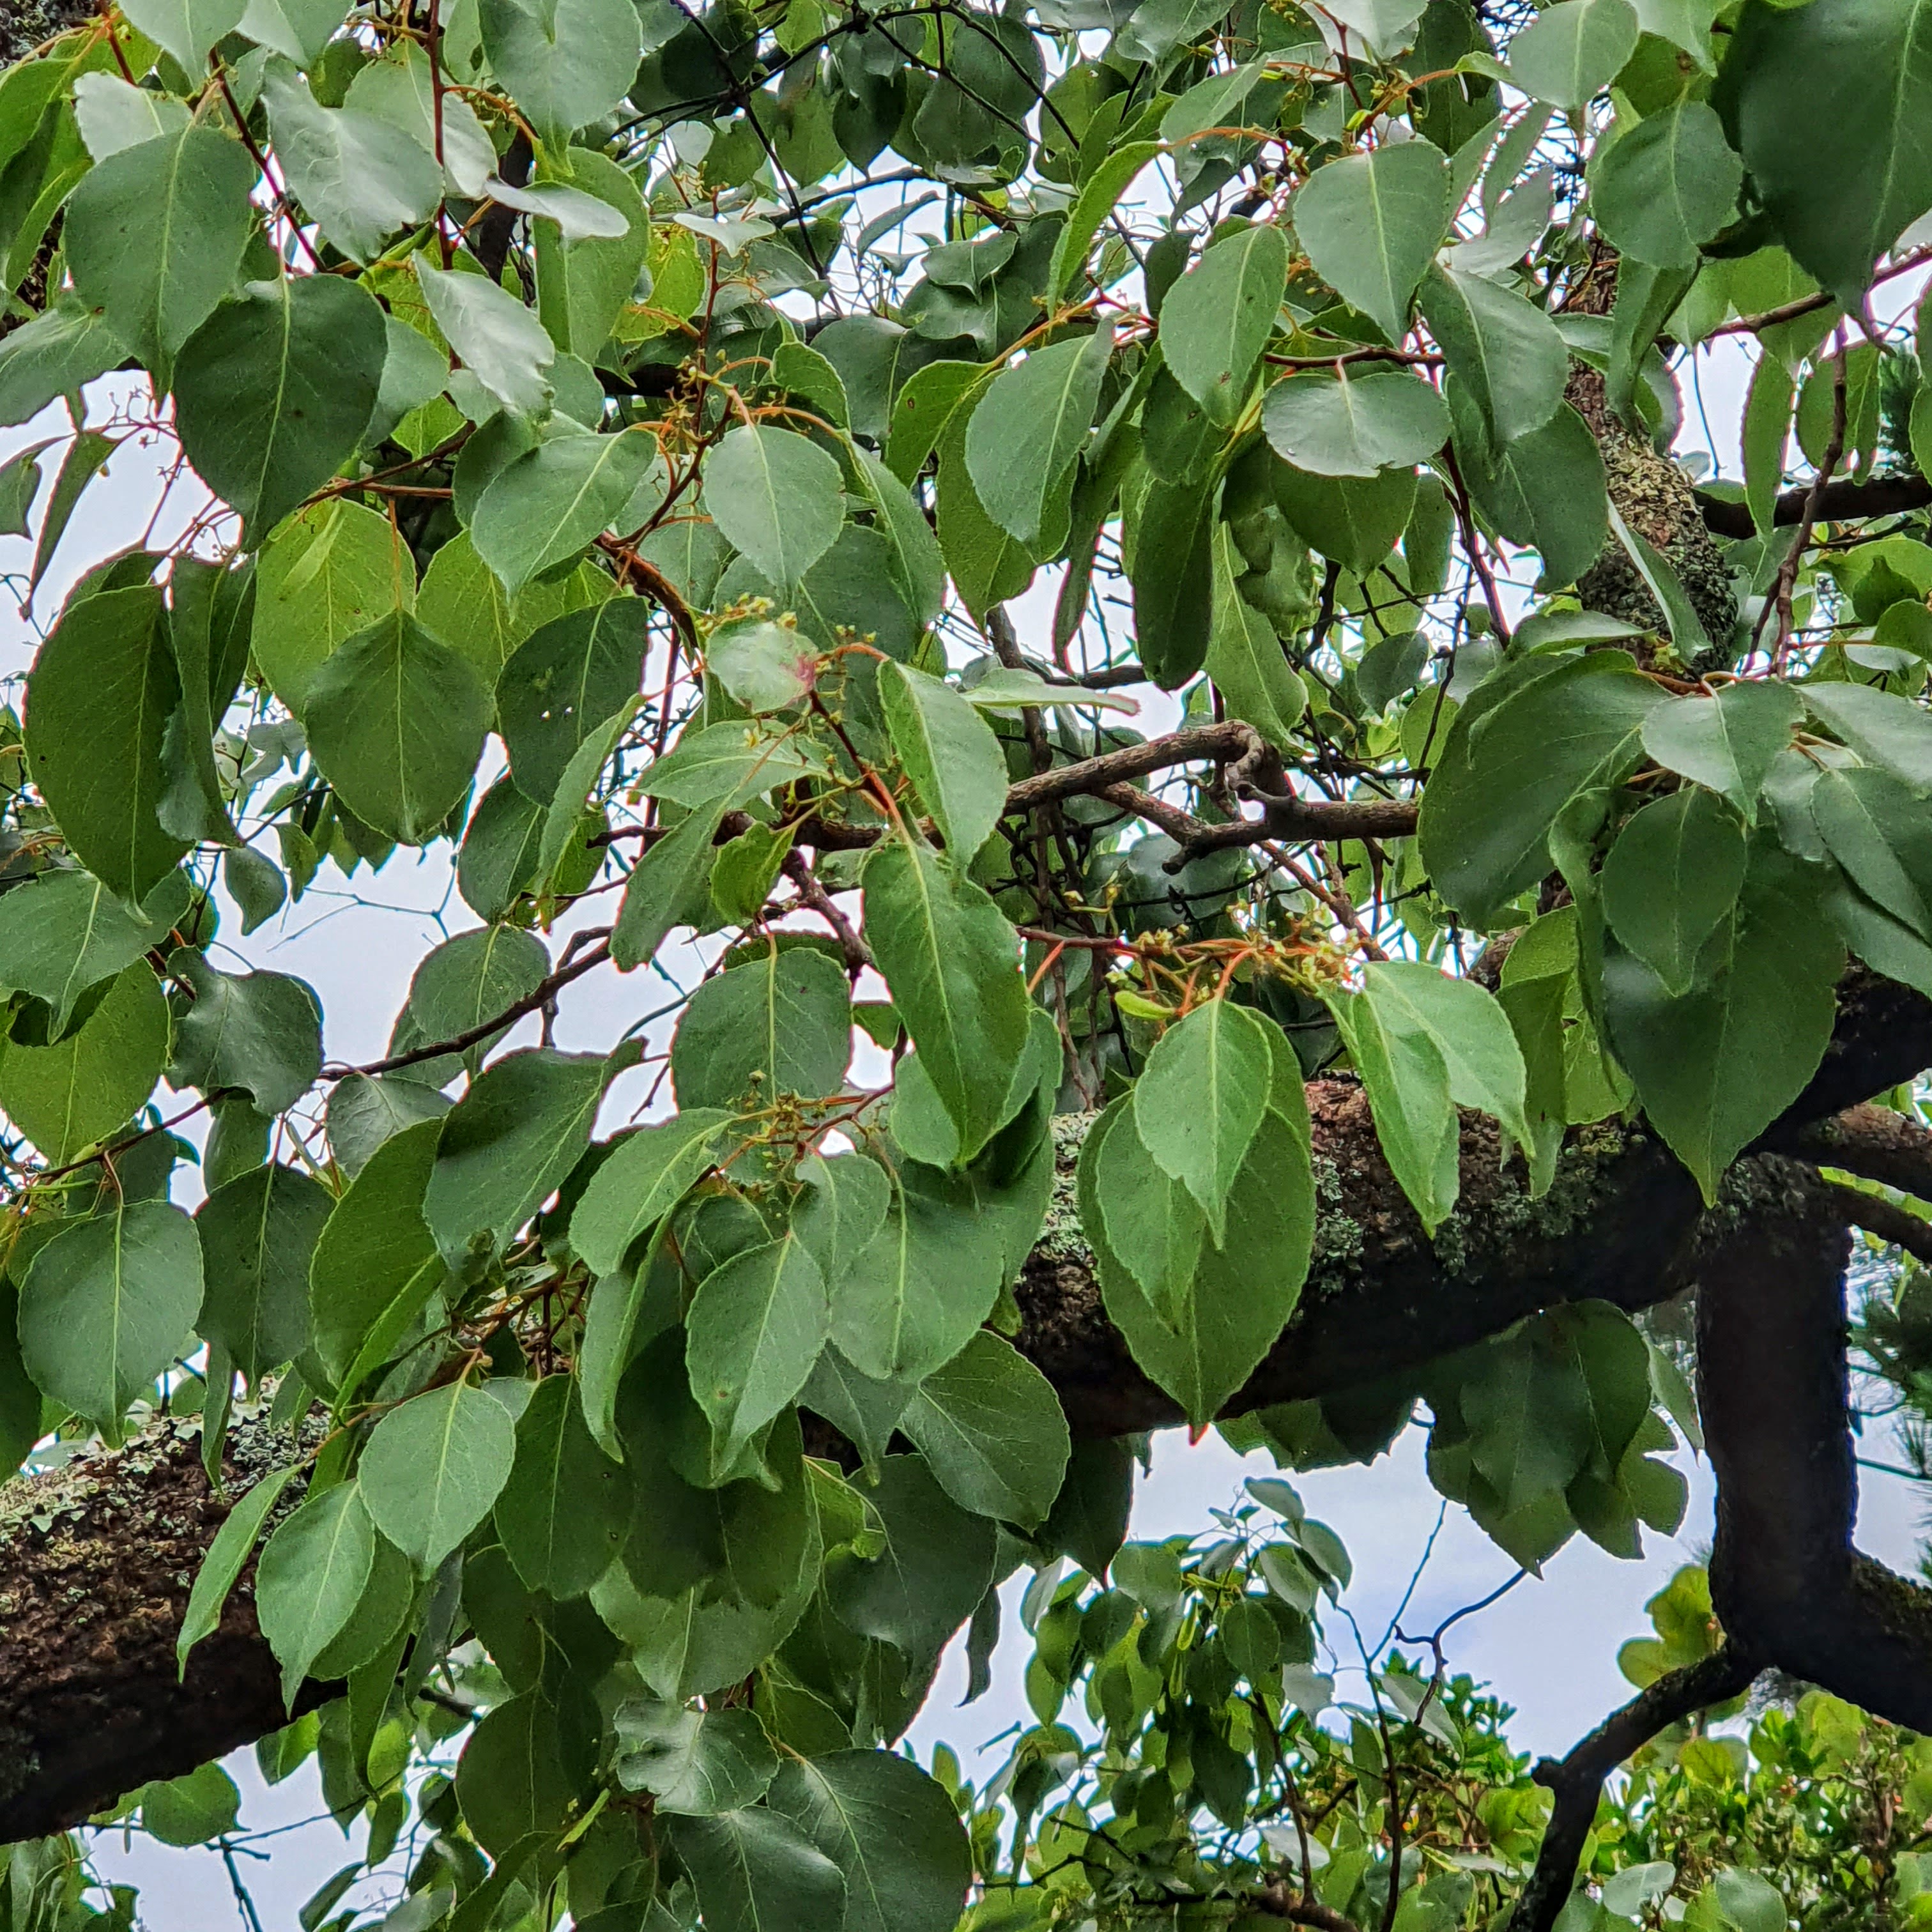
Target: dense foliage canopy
<point x="762" y="491"/>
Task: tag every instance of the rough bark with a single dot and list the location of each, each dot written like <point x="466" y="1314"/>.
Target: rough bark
<point x="25" y="24"/>
<point x="99" y="1558"/>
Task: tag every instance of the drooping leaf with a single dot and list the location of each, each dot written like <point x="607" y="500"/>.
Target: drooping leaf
<point x="990" y="1427"/>
<point x="1671" y="878"/>
<point x="433" y="1467"/>
<point x="98" y="698"/>
<point x="509" y="1141"/>
<point x="950" y="754"/>
<point x="1216" y="319"/>
<point x="784" y="1020"/>
<point x="756" y="1871"/>
<point x="227" y="1555"/>
<point x="258" y="1234"/>
<point x="754" y="1327"/>
<point x="259" y="1031"/>
<point x="1371" y="224"/>
<point x="500" y="341"/>
<point x="1027" y="431"/>
<point x="273" y="392"/>
<point x="107" y="1305"/>
<point x="153" y="236"/>
<point x="565" y="1509"/>
<point x="776" y="496"/>
<point x="947" y="953"/>
<point x="65" y="932"/>
<point x="396" y="719"/>
<point x="1504" y="350"/>
<point x="311" y="1574"/>
<point x="696" y="1764"/>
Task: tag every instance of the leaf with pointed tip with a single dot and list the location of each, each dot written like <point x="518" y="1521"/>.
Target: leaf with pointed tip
<point x="1217" y="320"/>
<point x="1504" y="350"/>
<point x="776" y="495"/>
<point x="1027" y="431"/>
<point x="433" y="1467"/>
<point x="188" y="29"/>
<point x="1671" y="879"/>
<point x="107" y="1305"/>
<point x="311" y="1577"/>
<point x="1372" y="223"/>
<point x="65" y="932"/>
<point x="1568" y="54"/>
<point x="227" y="1556"/>
<point x="258" y="1235"/>
<point x="273" y="392"/>
<point x="565" y="1508"/>
<point x="501" y="343"/>
<point x="396" y="720"/>
<point x="756" y="1871"/>
<point x="990" y="1427"/>
<point x="566" y="62"/>
<point x="950" y="752"/>
<point x="755" y="1327"/>
<point x="543" y="507"/>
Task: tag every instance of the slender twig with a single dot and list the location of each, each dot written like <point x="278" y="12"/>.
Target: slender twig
<point x="1787" y="571"/>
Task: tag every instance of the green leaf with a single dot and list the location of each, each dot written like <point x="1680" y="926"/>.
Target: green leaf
<point x="784" y="1021"/>
<point x="1353" y="521"/>
<point x="754" y="1328"/>
<point x="950" y="752"/>
<point x="361" y="179"/>
<point x="988" y="564"/>
<point x="1461" y="1020"/>
<point x="433" y="1467"/>
<point x="203" y="1804"/>
<point x="695" y="1763"/>
<point x="1341" y="425"/>
<point x="1857" y="67"/>
<point x="399" y="89"/>
<point x="912" y="1297"/>
<point x="366" y="1111"/>
<point x="668" y="888"/>
<point x="1714" y="1068"/>
<point x="563" y="682"/>
<point x="64" y="932"/>
<point x="1568" y="54"/>
<point x="545" y="507"/>
<point x="58" y="353"/>
<point x="990" y="1427"/>
<point x="1875" y="829"/>
<point x="1892" y="732"/>
<point x="1372" y="223"/>
<point x="1026" y="432"/>
<point x="310" y="1576"/>
<point x="507" y="1144"/>
<point x="261" y="1032"/>
<point x="936" y="1564"/>
<point x="107" y="1305"/>
<point x="69" y="1096"/>
<point x="188" y="29"/>
<point x="1670" y="880"/>
<point x="912" y="555"/>
<point x="1203" y="1351"/>
<point x="890" y="1828"/>
<point x="154" y="237"/>
<point x="1199" y="1101"/>
<point x="950" y="959"/>
<point x="1668" y="185"/>
<point x="1173" y="581"/>
<point x="327" y="574"/>
<point x="1546" y="489"/>
<point x="640" y="1181"/>
<point x="756" y="1871"/>
<point x="566" y="1509"/>
<point x="726" y="764"/>
<point x="1505" y="351"/>
<point x="227" y="1556"/>
<point x="1216" y="320"/>
<point x="396" y="721"/>
<point x="1099" y="195"/>
<point x="499" y="340"/>
<point x="776" y="497"/>
<point x="20" y="481"/>
<point x="375" y="1262"/>
<point x="566" y="62"/>
<point x="471" y="979"/>
<point x="258" y="1235"/>
<point x="273" y="392"/>
<point x="1728" y="742"/>
<point x="1515" y="757"/>
<point x="1407" y="1080"/>
<point x="98" y="698"/>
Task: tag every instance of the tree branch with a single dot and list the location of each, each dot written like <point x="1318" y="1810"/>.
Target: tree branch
<point x="1843" y="501"/>
<point x="1577" y="1779"/>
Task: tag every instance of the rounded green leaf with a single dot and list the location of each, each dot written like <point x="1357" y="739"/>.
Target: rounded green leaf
<point x="545" y="507"/>
<point x="311" y="1577"/>
<point x="396" y="720"/>
<point x="1372" y="223"/>
<point x="563" y="682"/>
<point x="566" y="63"/>
<point x="272" y="393"/>
<point x="1568" y="55"/>
<point x="1671" y="877"/>
<point x="1341" y="425"/>
<point x="258" y="1232"/>
<point x="565" y="1508"/>
<point x="1668" y="185"/>
<point x="776" y="496"/>
<point x="434" y="1466"/>
<point x="98" y="698"/>
<point x="784" y="1020"/>
<point x="1216" y="320"/>
<point x="990" y="1427"/>
<point x="950" y="753"/>
<point x="154" y="237"/>
<point x="107" y="1305"/>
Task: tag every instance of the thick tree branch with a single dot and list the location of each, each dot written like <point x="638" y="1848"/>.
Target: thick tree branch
<point x="1842" y="502"/>
<point x="1897" y="1225"/>
<point x="1872" y="1141"/>
<point x="1786" y="1581"/>
<point x="99" y="1558"/>
<point x="1577" y="1779"/>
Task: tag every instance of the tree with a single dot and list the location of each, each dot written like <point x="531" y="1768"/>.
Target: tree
<point x="638" y="444"/>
